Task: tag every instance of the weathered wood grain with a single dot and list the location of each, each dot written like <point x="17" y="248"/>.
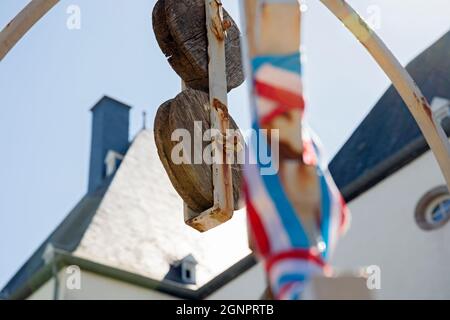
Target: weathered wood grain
<point x="188" y="107"/>
<point x="176" y="58"/>
<point x="193" y="182"/>
<point x="179" y="27"/>
<point x="162" y="136"/>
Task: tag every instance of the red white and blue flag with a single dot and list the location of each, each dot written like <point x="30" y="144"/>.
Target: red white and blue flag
<point x="290" y="256"/>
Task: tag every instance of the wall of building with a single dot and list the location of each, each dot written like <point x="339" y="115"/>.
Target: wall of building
<point x="248" y="286"/>
<point x="98" y="287"/>
<point x="95" y="287"/>
<point x="45" y="292"/>
<point x="414" y="263"/>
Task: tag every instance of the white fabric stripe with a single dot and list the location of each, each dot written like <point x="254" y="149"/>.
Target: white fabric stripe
<point x="312" y="136"/>
<point x="292" y="266"/>
<point x="335" y="214"/>
<point x="265" y="208"/>
<point x="296" y="288"/>
<point x="265" y="106"/>
<point x="335" y="195"/>
<point x="280" y="78"/>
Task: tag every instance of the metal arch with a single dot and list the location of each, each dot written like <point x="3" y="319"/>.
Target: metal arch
<point x="417" y="103"/>
<point x="22" y="23"/>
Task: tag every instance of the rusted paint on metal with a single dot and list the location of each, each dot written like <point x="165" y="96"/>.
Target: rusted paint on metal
<point x="227" y="24"/>
<point x="226" y="172"/>
<point x="222" y="109"/>
<point x="222" y="180"/>
<point x="217" y="21"/>
<point x="422" y="102"/>
<point x="426" y="107"/>
<point x="223" y="207"/>
<point x="209" y="219"/>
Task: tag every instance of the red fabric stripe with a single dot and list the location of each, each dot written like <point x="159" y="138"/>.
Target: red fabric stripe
<point x="309" y="154"/>
<point x="307" y="255"/>
<point x="344" y="215"/>
<point x="286" y="98"/>
<point x="279" y="110"/>
<point x="284" y="289"/>
<point x="256" y="226"/>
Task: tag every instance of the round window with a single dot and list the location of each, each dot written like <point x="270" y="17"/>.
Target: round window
<point x="433" y="210"/>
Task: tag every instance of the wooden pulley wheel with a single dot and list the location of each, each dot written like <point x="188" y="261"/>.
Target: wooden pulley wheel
<point x="179" y="27"/>
<point x="193" y="179"/>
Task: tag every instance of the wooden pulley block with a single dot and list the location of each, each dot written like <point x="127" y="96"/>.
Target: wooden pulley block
<point x="192" y="179"/>
<point x="179" y="27"/>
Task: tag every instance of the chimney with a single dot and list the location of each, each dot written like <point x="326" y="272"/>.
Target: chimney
<point x="110" y="125"/>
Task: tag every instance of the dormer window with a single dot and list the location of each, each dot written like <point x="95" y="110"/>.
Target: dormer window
<point x="187" y="275"/>
<point x="188" y="266"/>
<point x="441" y="109"/>
<point x="183" y="271"/>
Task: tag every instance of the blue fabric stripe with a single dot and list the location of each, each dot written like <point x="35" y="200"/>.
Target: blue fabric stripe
<point x="326" y="208"/>
<point x="272" y="184"/>
<point x="289" y="218"/>
<point x="287" y="62"/>
<point x="297" y="295"/>
<point x="317" y="150"/>
<point x="290" y="277"/>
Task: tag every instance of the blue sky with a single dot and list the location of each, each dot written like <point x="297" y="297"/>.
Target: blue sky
<point x="51" y="79"/>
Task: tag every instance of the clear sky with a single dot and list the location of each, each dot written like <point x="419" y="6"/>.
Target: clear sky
<point x="51" y="79"/>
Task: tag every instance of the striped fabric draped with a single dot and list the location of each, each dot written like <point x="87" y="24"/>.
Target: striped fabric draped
<point x="281" y="238"/>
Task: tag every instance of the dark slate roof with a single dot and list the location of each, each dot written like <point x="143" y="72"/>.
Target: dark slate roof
<point x="389" y="138"/>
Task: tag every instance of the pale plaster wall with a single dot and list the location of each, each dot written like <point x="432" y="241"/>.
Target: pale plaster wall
<point x="414" y="263"/>
<point x="98" y="287"/>
<point x="248" y="286"/>
<point x="45" y="292"/>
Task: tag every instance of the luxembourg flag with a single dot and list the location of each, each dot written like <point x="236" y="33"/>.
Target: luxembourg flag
<point x="277" y="86"/>
<point x="290" y="256"/>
